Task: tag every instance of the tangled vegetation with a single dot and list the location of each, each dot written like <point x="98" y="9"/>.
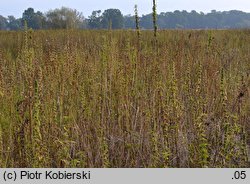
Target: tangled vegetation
<point x="115" y="99"/>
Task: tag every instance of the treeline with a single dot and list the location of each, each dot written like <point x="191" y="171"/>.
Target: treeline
<point x="67" y="18"/>
<point x="63" y="18"/>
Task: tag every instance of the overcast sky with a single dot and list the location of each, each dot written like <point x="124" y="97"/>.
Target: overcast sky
<point x="16" y="7"/>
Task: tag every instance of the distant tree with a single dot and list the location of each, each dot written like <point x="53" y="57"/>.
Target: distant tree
<point x="35" y="20"/>
<point x="147" y="21"/>
<point x="95" y="20"/>
<point x="3" y="23"/>
<point x="65" y="18"/>
<point x="195" y="19"/>
<point x="112" y="18"/>
<point x="129" y="22"/>
<point x="13" y="23"/>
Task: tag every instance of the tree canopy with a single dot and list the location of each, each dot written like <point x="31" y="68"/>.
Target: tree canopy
<point x="64" y="18"/>
<point x="3" y="23"/>
<point x="112" y="18"/>
<point x="34" y="19"/>
<point x="67" y="18"/>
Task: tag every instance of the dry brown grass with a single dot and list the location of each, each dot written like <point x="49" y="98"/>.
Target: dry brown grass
<point x="100" y="99"/>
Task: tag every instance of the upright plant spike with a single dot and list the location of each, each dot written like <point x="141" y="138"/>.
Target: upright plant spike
<point x="25" y="36"/>
<point x="37" y="136"/>
<point x="1" y="148"/>
<point x="137" y="22"/>
<point x="155" y="18"/>
<point x="110" y="24"/>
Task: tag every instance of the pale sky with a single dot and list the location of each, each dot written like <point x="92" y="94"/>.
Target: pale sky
<point x="16" y="7"/>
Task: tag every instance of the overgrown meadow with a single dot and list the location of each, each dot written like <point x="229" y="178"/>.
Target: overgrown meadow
<point x="125" y="99"/>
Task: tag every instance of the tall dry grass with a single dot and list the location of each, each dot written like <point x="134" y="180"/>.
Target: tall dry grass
<point x="100" y="99"/>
